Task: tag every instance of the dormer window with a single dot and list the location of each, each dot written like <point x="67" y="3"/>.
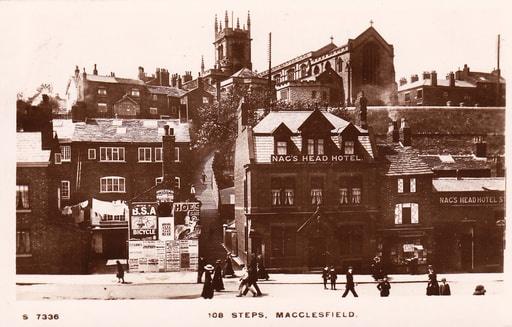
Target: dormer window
<point x="281" y="147"/>
<point x="348" y="147"/>
<point x="135" y="93"/>
<point x="102" y="91"/>
<point x="320" y="146"/>
<point x="315" y="146"/>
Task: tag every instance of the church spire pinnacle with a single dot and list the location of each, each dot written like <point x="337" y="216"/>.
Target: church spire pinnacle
<point x="237" y="23"/>
<point x="202" y="64"/>
<point x="216" y="24"/>
<point x="248" y="20"/>
<point x="226" y="19"/>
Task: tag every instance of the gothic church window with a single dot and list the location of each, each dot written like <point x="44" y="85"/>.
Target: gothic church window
<point x="370" y="63"/>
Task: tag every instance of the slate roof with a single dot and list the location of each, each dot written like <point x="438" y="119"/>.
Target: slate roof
<point x="28" y="148"/>
<point x="137" y="130"/>
<point x="112" y="79"/>
<point x="479" y="77"/>
<point x="401" y="160"/>
<point x="440" y="82"/>
<point x="294" y="119"/>
<point x="469" y="184"/>
<point x="245" y="73"/>
<point x="166" y="90"/>
<point x="64" y="129"/>
<point x="437" y="162"/>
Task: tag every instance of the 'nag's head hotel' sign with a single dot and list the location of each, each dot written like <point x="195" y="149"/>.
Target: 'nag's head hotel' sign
<point x="468" y="200"/>
<point x="315" y="158"/>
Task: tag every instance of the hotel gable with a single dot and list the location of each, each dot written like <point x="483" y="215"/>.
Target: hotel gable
<point x="306" y="190"/>
<point x="313" y="189"/>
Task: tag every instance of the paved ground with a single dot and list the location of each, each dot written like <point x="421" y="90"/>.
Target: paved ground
<point x="280" y="286"/>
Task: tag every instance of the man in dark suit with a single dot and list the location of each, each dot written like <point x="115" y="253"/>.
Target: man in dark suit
<point x="200" y="270"/>
<point x="253" y="276"/>
<point x="350" y="283"/>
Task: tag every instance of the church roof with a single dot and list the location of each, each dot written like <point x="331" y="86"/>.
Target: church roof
<point x="113" y="79"/>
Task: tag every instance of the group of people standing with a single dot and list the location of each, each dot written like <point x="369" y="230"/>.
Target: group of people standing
<point x="247" y="282"/>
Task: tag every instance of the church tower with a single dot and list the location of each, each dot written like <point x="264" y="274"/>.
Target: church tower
<point x="232" y="45"/>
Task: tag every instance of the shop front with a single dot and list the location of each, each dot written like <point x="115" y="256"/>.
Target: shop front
<point x="308" y="243"/>
<point x="405" y="250"/>
<point x="469" y="228"/>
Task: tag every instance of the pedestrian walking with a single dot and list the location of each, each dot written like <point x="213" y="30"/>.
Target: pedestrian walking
<point x="262" y="272"/>
<point x="207" y="286"/>
<point x="200" y="270"/>
<point x="325" y="276"/>
<point x="244" y="283"/>
<point x="228" y="267"/>
<point x="203" y="177"/>
<point x="120" y="272"/>
<point x="383" y="286"/>
<point x="350" y="285"/>
<point x="479" y="290"/>
<point x="444" y="288"/>
<point x="433" y="285"/>
<point x="333" y="277"/>
<point x="217" y="282"/>
<point x="253" y="276"/>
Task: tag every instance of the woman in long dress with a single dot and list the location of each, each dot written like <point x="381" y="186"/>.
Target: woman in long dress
<point x="228" y="268"/>
<point x="433" y="285"/>
<point x="217" y="283"/>
<point x="207" y="286"/>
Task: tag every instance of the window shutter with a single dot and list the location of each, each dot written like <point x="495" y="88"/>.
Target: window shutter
<point x="398" y="214"/>
<point x="414" y="213"/>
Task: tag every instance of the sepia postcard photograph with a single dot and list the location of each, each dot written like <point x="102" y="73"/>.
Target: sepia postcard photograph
<point x="252" y="163"/>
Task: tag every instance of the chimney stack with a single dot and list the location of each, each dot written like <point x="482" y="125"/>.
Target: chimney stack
<point x="426" y="75"/>
<point x="179" y="82"/>
<point x="433" y="78"/>
<point x="174" y="79"/>
<point x="95" y="70"/>
<point x="405" y="133"/>
<point x="362" y="109"/>
<point x="393" y="132"/>
<point x="414" y="78"/>
<point x="451" y="78"/>
<point x="403" y="81"/>
<point x="481" y="147"/>
<point x="141" y="73"/>
<point x="243" y="115"/>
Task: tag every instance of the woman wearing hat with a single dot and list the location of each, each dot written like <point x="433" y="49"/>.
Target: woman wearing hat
<point x="207" y="286"/>
<point x="217" y="283"/>
<point x="228" y="268"/>
<point x="433" y="285"/>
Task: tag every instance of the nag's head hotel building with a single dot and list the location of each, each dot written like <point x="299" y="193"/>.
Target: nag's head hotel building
<point x="306" y="191"/>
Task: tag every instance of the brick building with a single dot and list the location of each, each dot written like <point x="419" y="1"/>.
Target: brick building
<point x="405" y="229"/>
<point x="148" y="97"/>
<point x="305" y="190"/>
<point x="462" y="88"/>
<point x="469" y="224"/>
<point x="113" y="161"/>
<point x="46" y="242"/>
<point x="363" y="64"/>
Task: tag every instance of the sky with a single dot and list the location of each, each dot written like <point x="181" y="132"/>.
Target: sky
<point x="45" y="40"/>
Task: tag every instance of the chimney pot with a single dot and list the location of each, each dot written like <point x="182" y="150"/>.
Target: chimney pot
<point x="166" y="129"/>
<point x="433" y="78"/>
